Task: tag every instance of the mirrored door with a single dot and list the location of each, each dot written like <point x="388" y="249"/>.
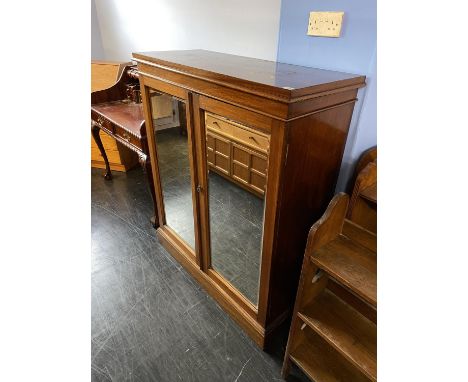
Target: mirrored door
<point x="174" y="148"/>
<point x="237" y="162"/>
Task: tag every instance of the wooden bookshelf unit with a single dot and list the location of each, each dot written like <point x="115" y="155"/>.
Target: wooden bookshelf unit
<point x="333" y="334"/>
<point x="363" y="203"/>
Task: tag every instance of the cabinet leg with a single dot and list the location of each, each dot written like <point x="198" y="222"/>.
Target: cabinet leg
<point x="146" y="165"/>
<point x="95" y="130"/>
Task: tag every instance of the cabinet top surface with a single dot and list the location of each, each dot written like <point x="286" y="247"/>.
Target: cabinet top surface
<point x="229" y="68"/>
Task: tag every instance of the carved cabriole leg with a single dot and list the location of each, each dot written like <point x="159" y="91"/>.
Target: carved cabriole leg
<point x="97" y="138"/>
<point x="146" y="164"/>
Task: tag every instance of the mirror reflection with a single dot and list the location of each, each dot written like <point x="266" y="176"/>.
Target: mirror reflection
<point x="237" y="162"/>
<point x="172" y="146"/>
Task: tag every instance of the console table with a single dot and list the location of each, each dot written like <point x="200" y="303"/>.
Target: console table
<point x="114" y="112"/>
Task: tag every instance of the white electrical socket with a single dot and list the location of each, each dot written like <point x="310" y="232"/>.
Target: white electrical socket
<point x="325" y="24"/>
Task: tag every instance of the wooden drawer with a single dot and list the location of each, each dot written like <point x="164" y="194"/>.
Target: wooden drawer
<point x="218" y="144"/>
<point x="218" y="124"/>
<point x="120" y="157"/>
<point x="259" y="164"/>
<point x="249" y="167"/>
<point x="237" y="151"/>
<point x="240" y="155"/>
<point x="251" y="158"/>
<point x="241" y="173"/>
<point x="210" y="141"/>
<point x="210" y="156"/>
<point x="218" y="152"/>
<point x="237" y="132"/>
<point x="126" y="136"/>
<point x="222" y="163"/>
<point x="107" y="141"/>
<point x="222" y="146"/>
<point x="258" y="182"/>
<point x="103" y="122"/>
<point x="251" y="139"/>
<point x="112" y="155"/>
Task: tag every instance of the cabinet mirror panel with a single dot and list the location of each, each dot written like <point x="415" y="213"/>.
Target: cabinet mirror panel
<point x="237" y="159"/>
<point x="173" y="147"/>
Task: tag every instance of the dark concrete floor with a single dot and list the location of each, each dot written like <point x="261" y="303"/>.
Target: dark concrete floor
<point x="150" y="320"/>
<point x="236" y="215"/>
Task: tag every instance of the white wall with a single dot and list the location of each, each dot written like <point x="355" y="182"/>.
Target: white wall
<point x="243" y="27"/>
<point x="97" y="51"/>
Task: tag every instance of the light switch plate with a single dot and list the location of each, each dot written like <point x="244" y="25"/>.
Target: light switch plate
<point x="325" y="24"/>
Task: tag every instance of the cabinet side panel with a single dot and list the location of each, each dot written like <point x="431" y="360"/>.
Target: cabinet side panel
<point x="316" y="146"/>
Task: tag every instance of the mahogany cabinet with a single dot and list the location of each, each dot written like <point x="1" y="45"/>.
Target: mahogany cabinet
<point x="239" y="189"/>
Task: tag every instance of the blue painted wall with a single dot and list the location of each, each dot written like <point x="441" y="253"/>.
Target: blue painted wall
<point x="353" y="52"/>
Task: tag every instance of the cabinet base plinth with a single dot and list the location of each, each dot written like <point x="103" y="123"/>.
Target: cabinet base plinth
<point x="253" y="328"/>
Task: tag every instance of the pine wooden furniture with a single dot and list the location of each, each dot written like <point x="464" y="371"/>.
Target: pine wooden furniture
<point x="105" y="74"/>
<point x="367" y="156"/>
<point x="363" y="204"/>
<point x="299" y="115"/>
<point x="237" y="152"/>
<point x="333" y="334"/>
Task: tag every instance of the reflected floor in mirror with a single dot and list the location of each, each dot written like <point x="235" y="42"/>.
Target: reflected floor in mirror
<point x="174" y="170"/>
<point x="236" y="217"/>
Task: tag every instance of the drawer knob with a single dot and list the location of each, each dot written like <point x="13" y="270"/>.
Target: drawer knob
<point x="126" y="137"/>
